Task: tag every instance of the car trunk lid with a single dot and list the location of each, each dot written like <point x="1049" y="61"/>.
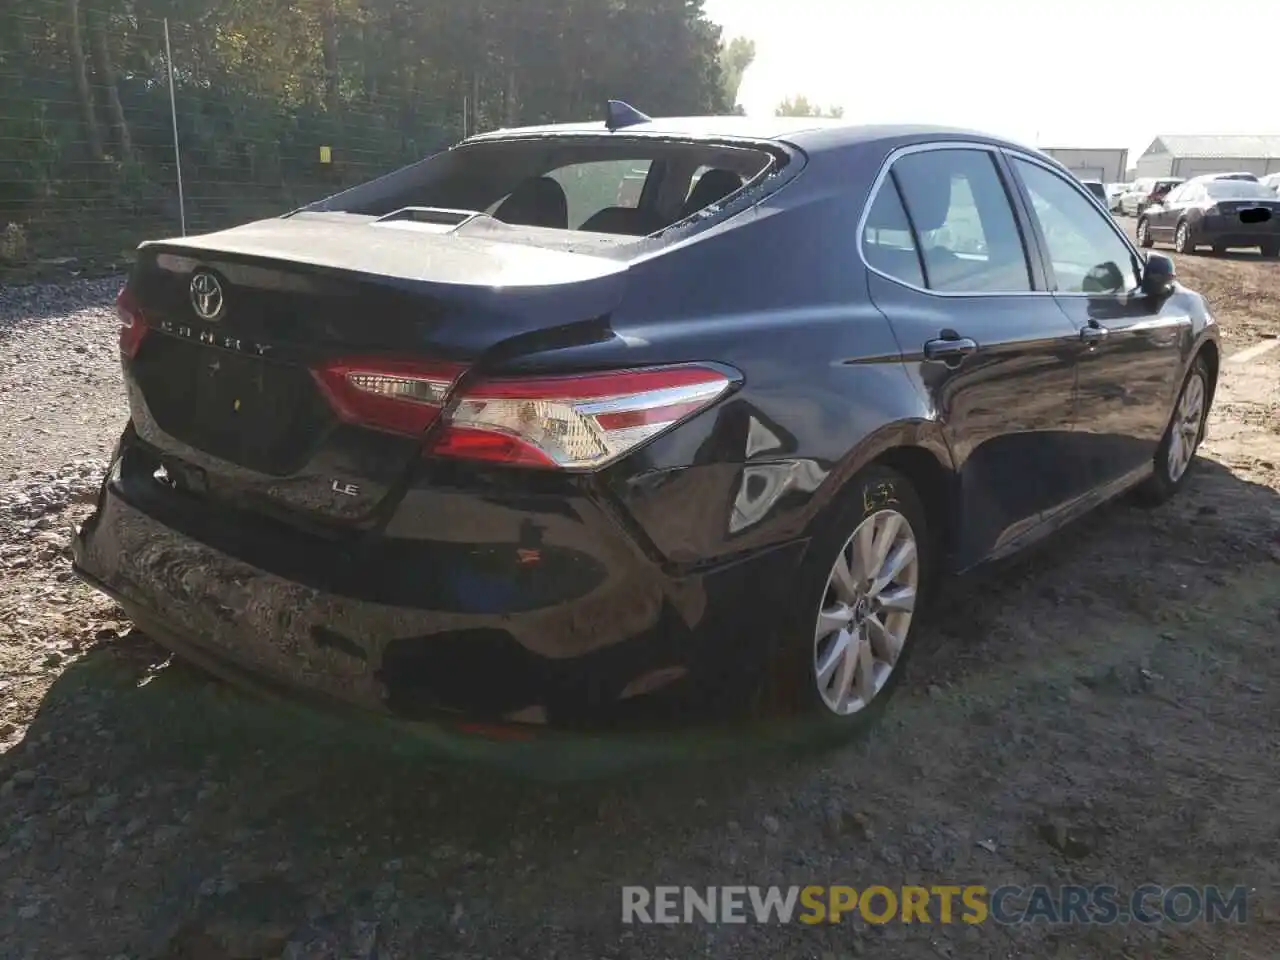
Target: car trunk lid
<point x="243" y="380"/>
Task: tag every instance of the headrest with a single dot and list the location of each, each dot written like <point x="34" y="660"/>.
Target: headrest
<point x="715" y="184"/>
<point x="538" y="202"/>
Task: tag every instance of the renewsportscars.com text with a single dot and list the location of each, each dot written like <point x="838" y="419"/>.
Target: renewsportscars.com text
<point x="938" y="904"/>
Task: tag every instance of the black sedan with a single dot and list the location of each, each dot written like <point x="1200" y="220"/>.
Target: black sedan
<point x="475" y="442"/>
<point x="1215" y="212"/>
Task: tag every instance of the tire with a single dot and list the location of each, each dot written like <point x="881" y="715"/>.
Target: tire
<point x="1144" y="233"/>
<point x="1167" y="478"/>
<point x="825" y="614"/>
<point x="1182" y="241"/>
<point x="1270" y="250"/>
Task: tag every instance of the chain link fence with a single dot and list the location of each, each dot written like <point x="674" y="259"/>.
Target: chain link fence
<point x="94" y="116"/>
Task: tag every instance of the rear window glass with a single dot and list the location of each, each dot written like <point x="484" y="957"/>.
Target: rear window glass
<point x="1237" y="190"/>
<point x="564" y="182"/>
<point x="590" y="187"/>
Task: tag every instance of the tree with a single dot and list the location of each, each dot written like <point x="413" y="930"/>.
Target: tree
<point x="86" y="135"/>
<point x="799" y="106"/>
<point x="80" y="76"/>
<point x="735" y="57"/>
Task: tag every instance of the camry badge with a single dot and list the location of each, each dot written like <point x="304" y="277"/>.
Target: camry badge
<point x="206" y="296"/>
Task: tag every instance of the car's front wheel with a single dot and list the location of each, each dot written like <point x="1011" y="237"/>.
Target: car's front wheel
<point x="1177" y="450"/>
<point x="862" y="582"/>
<point x="1144" y="233"/>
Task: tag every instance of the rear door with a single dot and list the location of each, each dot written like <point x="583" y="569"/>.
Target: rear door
<point x="1130" y="342"/>
<point x="950" y="269"/>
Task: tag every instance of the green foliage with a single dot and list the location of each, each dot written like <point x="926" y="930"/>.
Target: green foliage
<point x="262" y="85"/>
<point x="799" y="106"/>
<point x="735" y="57"/>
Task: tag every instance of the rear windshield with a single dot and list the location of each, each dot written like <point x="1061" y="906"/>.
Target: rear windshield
<point x="1238" y="190"/>
<point x="611" y="185"/>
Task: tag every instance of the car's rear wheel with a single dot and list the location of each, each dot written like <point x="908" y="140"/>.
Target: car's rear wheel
<point x="1144" y="233"/>
<point x="1176" y="453"/>
<point x="863" y="579"/>
<point x="1182" y="239"/>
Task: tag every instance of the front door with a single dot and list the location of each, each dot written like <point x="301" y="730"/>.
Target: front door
<point x="1130" y="343"/>
<point x="983" y="338"/>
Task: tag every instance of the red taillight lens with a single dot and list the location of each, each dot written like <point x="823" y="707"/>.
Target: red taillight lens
<point x="133" y="327"/>
<point x="398" y="396"/>
<point x="575" y="422"/>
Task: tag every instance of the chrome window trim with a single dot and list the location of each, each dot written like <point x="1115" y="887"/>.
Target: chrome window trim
<point x="1013" y="154"/>
<point x="878" y="184"/>
<point x="1010" y="153"/>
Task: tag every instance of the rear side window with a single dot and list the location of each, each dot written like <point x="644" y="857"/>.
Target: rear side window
<point x="887" y="241"/>
<point x="964" y="224"/>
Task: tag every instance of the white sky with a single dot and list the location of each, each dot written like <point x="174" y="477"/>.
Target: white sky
<point x="1090" y="73"/>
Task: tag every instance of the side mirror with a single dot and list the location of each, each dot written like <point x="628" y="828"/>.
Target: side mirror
<point x="1158" y="276"/>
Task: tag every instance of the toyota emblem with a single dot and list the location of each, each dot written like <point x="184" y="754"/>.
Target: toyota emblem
<point x="206" y="296"/>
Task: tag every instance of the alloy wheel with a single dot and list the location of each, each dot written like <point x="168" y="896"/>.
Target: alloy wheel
<point x="866" y="612"/>
<point x="1184" y="434"/>
<point x="1180" y="240"/>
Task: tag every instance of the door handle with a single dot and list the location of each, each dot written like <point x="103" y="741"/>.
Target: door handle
<point x="949" y="350"/>
<point x="1094" y="333"/>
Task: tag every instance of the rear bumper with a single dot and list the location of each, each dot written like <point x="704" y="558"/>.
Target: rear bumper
<point x="564" y="634"/>
<point x="1224" y="232"/>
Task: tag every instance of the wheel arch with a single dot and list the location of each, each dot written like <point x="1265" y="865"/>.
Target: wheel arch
<point x="918" y="451"/>
<point x="1212" y="358"/>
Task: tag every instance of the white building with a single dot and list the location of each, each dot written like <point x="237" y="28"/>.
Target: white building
<point x="1105" y="164"/>
<point x="1186" y="157"/>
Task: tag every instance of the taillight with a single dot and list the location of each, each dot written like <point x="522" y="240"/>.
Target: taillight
<point x="133" y="327"/>
<point x="574" y="422"/>
<point x="398" y="396"/>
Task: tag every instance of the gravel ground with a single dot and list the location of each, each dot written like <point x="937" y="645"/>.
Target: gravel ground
<point x="1103" y="711"/>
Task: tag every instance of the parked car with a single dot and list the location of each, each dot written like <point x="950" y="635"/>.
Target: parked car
<point x="1097" y="189"/>
<point x="1229" y="176"/>
<point x="394" y="453"/>
<point x="1145" y="191"/>
<point x="1114" y="192"/>
<point x="1272" y="180"/>
<point x="1214" y="212"/>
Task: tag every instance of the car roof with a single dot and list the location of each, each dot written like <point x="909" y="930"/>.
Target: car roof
<point x="811" y="134"/>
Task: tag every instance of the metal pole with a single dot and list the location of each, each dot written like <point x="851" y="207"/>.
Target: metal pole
<point x="466" y="106"/>
<point x="173" y="113"/>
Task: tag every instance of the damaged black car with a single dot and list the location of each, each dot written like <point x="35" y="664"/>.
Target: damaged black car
<point x="569" y="420"/>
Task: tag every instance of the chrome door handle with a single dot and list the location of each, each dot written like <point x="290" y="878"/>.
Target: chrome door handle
<point x="1094" y="333"/>
<point x="949" y="350"/>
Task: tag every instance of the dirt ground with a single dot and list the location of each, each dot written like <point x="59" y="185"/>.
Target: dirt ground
<point x="1106" y="710"/>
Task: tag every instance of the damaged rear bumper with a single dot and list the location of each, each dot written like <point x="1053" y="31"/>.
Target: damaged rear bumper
<point x="291" y="615"/>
